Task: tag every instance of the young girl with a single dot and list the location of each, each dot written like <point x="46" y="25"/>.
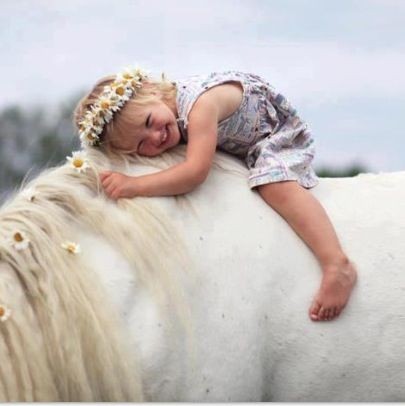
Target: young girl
<point x="238" y="113"/>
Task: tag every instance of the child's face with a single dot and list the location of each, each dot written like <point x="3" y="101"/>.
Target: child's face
<point x="155" y="132"/>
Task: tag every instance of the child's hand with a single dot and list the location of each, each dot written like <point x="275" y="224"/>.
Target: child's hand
<point x="117" y="185"/>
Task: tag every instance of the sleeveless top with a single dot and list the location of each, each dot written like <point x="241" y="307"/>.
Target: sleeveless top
<point x="261" y="112"/>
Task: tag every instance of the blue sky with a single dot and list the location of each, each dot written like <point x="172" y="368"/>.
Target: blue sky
<point x="341" y="63"/>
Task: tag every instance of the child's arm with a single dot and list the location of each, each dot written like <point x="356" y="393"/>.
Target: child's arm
<point x="180" y="178"/>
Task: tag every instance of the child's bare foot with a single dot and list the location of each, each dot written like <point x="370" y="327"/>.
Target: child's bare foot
<point x="337" y="283"/>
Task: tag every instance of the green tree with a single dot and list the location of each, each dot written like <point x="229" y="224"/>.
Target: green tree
<point x="349" y="171"/>
<point x="31" y="140"/>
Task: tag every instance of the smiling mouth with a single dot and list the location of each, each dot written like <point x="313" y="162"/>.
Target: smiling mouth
<point x="164" y="137"/>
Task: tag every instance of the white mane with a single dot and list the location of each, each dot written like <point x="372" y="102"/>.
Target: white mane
<point x="64" y="340"/>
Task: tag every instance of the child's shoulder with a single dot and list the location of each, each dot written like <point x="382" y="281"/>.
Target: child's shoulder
<point x="191" y="88"/>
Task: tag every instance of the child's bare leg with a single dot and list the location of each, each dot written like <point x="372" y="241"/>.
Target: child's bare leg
<point x="309" y="220"/>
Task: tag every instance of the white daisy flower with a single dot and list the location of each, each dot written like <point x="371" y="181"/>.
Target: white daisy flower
<point x="113" y="98"/>
<point x="84" y="127"/>
<point x="20" y="240"/>
<point x="83" y="132"/>
<point x="140" y="73"/>
<point x="129" y="74"/>
<point x="123" y="92"/>
<point x="96" y="113"/>
<point x="126" y="75"/>
<point x="106" y="102"/>
<point x="88" y="138"/>
<point x="86" y="123"/>
<point x="98" y="122"/>
<point x="79" y="161"/>
<point x="5" y="313"/>
<point x="29" y="194"/>
<point x="71" y="247"/>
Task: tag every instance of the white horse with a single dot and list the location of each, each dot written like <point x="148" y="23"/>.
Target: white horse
<point x="201" y="297"/>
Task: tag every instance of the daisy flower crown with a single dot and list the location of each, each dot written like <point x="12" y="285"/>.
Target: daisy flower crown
<point x="112" y="99"/>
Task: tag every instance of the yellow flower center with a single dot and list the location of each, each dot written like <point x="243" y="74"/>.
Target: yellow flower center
<point x="105" y="104"/>
<point x="78" y="162"/>
<point x="120" y="90"/>
<point x="71" y="248"/>
<point x="2" y="311"/>
<point x="18" y="237"/>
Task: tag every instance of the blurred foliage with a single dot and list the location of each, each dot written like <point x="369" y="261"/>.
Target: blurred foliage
<point x="36" y="138"/>
<point x="351" y="170"/>
<point x="31" y="140"/>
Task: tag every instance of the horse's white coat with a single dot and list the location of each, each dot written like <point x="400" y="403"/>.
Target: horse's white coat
<point x="248" y="293"/>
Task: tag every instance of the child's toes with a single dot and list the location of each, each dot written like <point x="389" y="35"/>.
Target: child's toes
<point x="323" y="314"/>
<point x="317" y="312"/>
<point x="334" y="313"/>
<point x="314" y="310"/>
<point x="331" y="314"/>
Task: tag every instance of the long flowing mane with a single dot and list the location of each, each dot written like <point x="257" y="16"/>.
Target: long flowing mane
<point x="64" y="340"/>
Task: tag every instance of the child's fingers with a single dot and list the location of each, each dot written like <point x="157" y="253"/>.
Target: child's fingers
<point x="111" y="188"/>
<point x="105" y="174"/>
<point x="113" y="192"/>
<point x="105" y="182"/>
<point x="109" y="179"/>
<point x="109" y="184"/>
<point x="108" y="190"/>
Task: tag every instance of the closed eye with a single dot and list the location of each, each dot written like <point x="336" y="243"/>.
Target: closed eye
<point x="147" y="123"/>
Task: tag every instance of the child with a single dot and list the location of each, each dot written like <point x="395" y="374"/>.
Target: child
<point x="236" y="112"/>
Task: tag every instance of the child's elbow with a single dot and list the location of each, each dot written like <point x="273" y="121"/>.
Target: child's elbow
<point x="199" y="176"/>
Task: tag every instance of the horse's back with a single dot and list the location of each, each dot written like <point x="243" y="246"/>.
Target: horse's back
<point x="256" y="281"/>
<point x="234" y="326"/>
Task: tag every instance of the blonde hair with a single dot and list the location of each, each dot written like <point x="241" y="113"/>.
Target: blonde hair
<point x="150" y="92"/>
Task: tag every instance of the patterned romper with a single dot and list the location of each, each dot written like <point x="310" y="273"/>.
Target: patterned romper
<point x="265" y="131"/>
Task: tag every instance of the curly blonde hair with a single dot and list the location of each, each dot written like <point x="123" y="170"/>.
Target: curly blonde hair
<point x="124" y="119"/>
